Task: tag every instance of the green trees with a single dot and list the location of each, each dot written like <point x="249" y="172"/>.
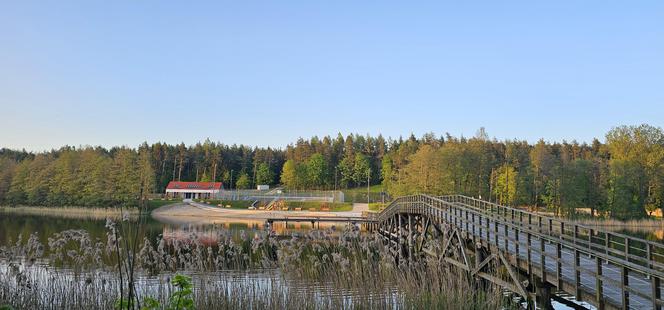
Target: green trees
<point x="505" y="184"/>
<point x="542" y="163"/>
<point x="7" y="170"/>
<point x="576" y="190"/>
<point x="623" y="177"/>
<point x="289" y="177"/>
<point x="264" y="174"/>
<point x="316" y="171"/>
<point x="347" y="170"/>
<point x="626" y="195"/>
<point x="311" y="173"/>
<point x="243" y="182"/>
<point x="361" y="170"/>
<point x="637" y="154"/>
<point x="423" y="171"/>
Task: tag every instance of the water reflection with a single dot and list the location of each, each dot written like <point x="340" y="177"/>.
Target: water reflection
<point x="13" y="226"/>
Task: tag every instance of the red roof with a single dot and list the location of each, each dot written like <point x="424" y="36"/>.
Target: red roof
<point x="193" y="185"/>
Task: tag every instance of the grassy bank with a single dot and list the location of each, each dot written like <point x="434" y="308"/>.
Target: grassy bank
<point x="156" y="203"/>
<point x="377" y="206"/>
<point x="359" y="194"/>
<point x="317" y="206"/>
<point x="235" y="204"/>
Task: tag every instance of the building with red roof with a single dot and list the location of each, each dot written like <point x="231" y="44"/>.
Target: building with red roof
<point x="193" y="190"/>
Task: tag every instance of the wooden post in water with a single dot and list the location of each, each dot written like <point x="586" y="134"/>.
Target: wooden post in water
<point x="543" y="295"/>
<point x="400" y="244"/>
<point x="410" y="237"/>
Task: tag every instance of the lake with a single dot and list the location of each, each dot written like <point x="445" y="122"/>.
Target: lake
<point x="263" y="284"/>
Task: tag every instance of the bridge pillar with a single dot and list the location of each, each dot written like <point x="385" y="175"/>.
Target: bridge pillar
<point x="543" y="295"/>
<point x="481" y="254"/>
<point x="410" y="237"/>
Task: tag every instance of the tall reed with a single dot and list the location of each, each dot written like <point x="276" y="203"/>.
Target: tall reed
<point x="315" y="270"/>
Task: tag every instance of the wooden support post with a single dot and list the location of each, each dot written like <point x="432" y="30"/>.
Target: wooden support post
<point x="543" y="295"/>
<point x="410" y="237"/>
<point x="624" y="284"/>
<point x="656" y="292"/>
<point x="542" y="259"/>
<point x="577" y="274"/>
<point x="516" y="246"/>
<point x="506" y="238"/>
<point x="480" y="256"/>
<point x="559" y="266"/>
<point x="599" y="290"/>
<point x="400" y="234"/>
<point x="529" y="252"/>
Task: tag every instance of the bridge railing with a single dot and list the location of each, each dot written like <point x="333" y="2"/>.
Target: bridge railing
<point x="482" y="219"/>
<point x="632" y="250"/>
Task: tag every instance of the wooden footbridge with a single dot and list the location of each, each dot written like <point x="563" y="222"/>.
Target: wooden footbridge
<point x="531" y="255"/>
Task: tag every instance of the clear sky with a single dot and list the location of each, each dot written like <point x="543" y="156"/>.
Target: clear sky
<point x="267" y="72"/>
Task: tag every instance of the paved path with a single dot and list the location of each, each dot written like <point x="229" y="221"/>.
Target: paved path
<point x="360" y="207"/>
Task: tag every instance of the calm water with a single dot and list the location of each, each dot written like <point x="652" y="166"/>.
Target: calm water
<point x="13" y="225"/>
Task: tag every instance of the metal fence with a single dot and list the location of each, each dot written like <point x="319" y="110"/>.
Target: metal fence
<point x="281" y="194"/>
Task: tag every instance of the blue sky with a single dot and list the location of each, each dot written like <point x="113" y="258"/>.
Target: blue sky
<point x="265" y="73"/>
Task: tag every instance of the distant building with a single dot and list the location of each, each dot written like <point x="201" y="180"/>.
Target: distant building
<point x="193" y="190"/>
<point x="263" y="187"/>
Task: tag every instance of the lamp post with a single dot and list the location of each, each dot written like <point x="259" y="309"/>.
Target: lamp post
<point x="335" y="178"/>
<point x="368" y="183"/>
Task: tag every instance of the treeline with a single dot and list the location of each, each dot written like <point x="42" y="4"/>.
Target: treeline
<point x="95" y="176"/>
<point x="330" y="163"/>
<point x="622" y="177"/>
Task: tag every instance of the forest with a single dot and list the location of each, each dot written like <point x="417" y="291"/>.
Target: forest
<point x="621" y="177"/>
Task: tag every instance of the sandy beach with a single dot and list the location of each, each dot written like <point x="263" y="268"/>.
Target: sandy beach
<point x="196" y="212"/>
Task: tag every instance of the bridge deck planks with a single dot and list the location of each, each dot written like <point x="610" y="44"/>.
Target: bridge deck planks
<point x="639" y="288"/>
<point x="612" y="292"/>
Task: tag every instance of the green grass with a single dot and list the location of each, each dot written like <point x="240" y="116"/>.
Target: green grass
<point x="156" y="203"/>
<point x="359" y="194"/>
<point x="235" y="204"/>
<point x="377" y="206"/>
<point x="363" y="189"/>
<point x="334" y="207"/>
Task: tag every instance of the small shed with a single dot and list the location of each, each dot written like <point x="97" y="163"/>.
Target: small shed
<point x="193" y="190"/>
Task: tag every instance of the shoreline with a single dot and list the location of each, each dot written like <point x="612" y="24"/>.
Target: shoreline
<point x="195" y="213"/>
<point x="202" y="210"/>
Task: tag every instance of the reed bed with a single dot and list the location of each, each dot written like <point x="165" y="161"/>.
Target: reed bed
<point x="642" y="225"/>
<point x="70" y="212"/>
<point x="315" y="270"/>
